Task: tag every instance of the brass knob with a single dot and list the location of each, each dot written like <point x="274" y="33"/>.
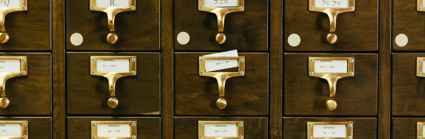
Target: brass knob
<point x="112" y="102"/>
<point x="221" y="103"/>
<point x="112" y="38"/>
<point x="4" y="37"/>
<point x="4" y="102"/>
<point x="220" y="38"/>
<point x="332" y="38"/>
<point x="331" y="104"/>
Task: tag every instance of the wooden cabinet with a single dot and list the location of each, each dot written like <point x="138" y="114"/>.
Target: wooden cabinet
<point x="407" y="25"/>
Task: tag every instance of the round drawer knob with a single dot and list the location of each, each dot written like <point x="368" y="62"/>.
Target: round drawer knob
<point x="220" y="38"/>
<point x="332" y="38"/>
<point x="4" y="37"/>
<point x="112" y="102"/>
<point x="221" y="103"/>
<point x="331" y="104"/>
<point x="4" y="102"/>
<point x="112" y="38"/>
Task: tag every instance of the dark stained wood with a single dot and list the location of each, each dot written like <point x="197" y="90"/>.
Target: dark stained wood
<point x="137" y="95"/>
<point x="187" y="127"/>
<point x="408" y="90"/>
<point x="31" y="94"/>
<point x="197" y="95"/>
<point x="407" y="20"/>
<point x="29" y="30"/>
<point x="245" y="31"/>
<point x="305" y="95"/>
<point x="80" y="127"/>
<point x="296" y="127"/>
<point x="167" y="99"/>
<point x="276" y="18"/>
<point x="356" y="31"/>
<point x="136" y="30"/>
<point x="384" y="95"/>
<point x="38" y="127"/>
<point x="404" y="128"/>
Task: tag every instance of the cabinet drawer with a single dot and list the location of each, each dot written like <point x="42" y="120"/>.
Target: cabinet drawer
<point x="197" y="95"/>
<point x="296" y="127"/>
<point x="405" y="128"/>
<point x="245" y="31"/>
<point x="80" y="127"/>
<point x="307" y="95"/>
<point x="89" y="94"/>
<point x="254" y="127"/>
<point x="38" y="127"/>
<point x="30" y="94"/>
<point x="407" y="23"/>
<point x="356" y="31"/>
<point x="136" y="30"/>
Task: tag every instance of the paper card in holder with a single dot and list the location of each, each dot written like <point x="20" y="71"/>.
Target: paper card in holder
<point x="330" y="130"/>
<point x="114" y="129"/>
<point x="220" y="129"/>
<point x="14" y="130"/>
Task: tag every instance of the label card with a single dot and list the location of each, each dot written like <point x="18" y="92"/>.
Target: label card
<point x="330" y="66"/>
<point x="329" y="131"/>
<point x="10" y="65"/>
<point x="331" y="3"/>
<point x="214" y="65"/>
<point x="113" y="130"/>
<point x="112" y="3"/>
<point x="221" y="130"/>
<point x="113" y="65"/>
<point x="221" y="3"/>
<point x="10" y="130"/>
<point x="423" y="66"/>
<point x="10" y="3"/>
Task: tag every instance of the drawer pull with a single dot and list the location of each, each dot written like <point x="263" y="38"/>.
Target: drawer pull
<point x="331" y="69"/>
<point x="106" y="69"/>
<point x="221" y="10"/>
<point x="222" y="77"/>
<point x="13" y="66"/>
<point x="9" y="8"/>
<point x="111" y="10"/>
<point x="332" y="12"/>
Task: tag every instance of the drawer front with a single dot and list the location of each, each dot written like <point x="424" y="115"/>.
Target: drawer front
<point x="89" y="94"/>
<point x="30" y="94"/>
<point x="136" y="30"/>
<point x="80" y="127"/>
<point x="197" y="95"/>
<point x="307" y="95"/>
<point x="296" y="127"/>
<point x="38" y="127"/>
<point x="408" y="90"/>
<point x="254" y="127"/>
<point x="405" y="128"/>
<point x="407" y="23"/>
<point x="356" y="31"/>
<point x="245" y="31"/>
<point x="29" y="30"/>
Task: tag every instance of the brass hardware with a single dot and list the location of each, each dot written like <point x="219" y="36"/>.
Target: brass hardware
<point x="420" y="7"/>
<point x="4" y="76"/>
<point x="420" y="130"/>
<point x="113" y="76"/>
<point x="111" y="12"/>
<point x="332" y="14"/>
<point x="221" y="13"/>
<point x="420" y="67"/>
<point x="132" y="126"/>
<point x="332" y="78"/>
<point x="24" y="129"/>
<point x="239" y="126"/>
<point x="4" y="37"/>
<point x="348" y="126"/>
<point x="222" y="77"/>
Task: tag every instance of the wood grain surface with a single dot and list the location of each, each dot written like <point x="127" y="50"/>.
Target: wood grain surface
<point x="80" y="127"/>
<point x="197" y="95"/>
<point x="356" y="31"/>
<point x="404" y="127"/>
<point x="254" y="127"/>
<point x="136" y="30"/>
<point x="137" y="95"/>
<point x="245" y="31"/>
<point x="305" y="95"/>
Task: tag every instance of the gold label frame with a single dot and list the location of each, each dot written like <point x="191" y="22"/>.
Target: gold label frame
<point x="24" y="129"/>
<point x="349" y="129"/>
<point x="132" y="60"/>
<point x="419" y="66"/>
<point x="132" y="124"/>
<point x="240" y="129"/>
<point x="350" y="67"/>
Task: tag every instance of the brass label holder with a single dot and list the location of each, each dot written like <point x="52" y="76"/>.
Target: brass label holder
<point x="420" y="130"/>
<point x="113" y="76"/>
<point x="4" y="37"/>
<point x="4" y="76"/>
<point x="132" y="126"/>
<point x="421" y="7"/>
<point x="222" y="77"/>
<point x="239" y="125"/>
<point x="420" y="67"/>
<point x="332" y="78"/>
<point x="24" y="129"/>
<point x="348" y="125"/>
<point x="332" y="14"/>
<point x="221" y="13"/>
<point x="111" y="12"/>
